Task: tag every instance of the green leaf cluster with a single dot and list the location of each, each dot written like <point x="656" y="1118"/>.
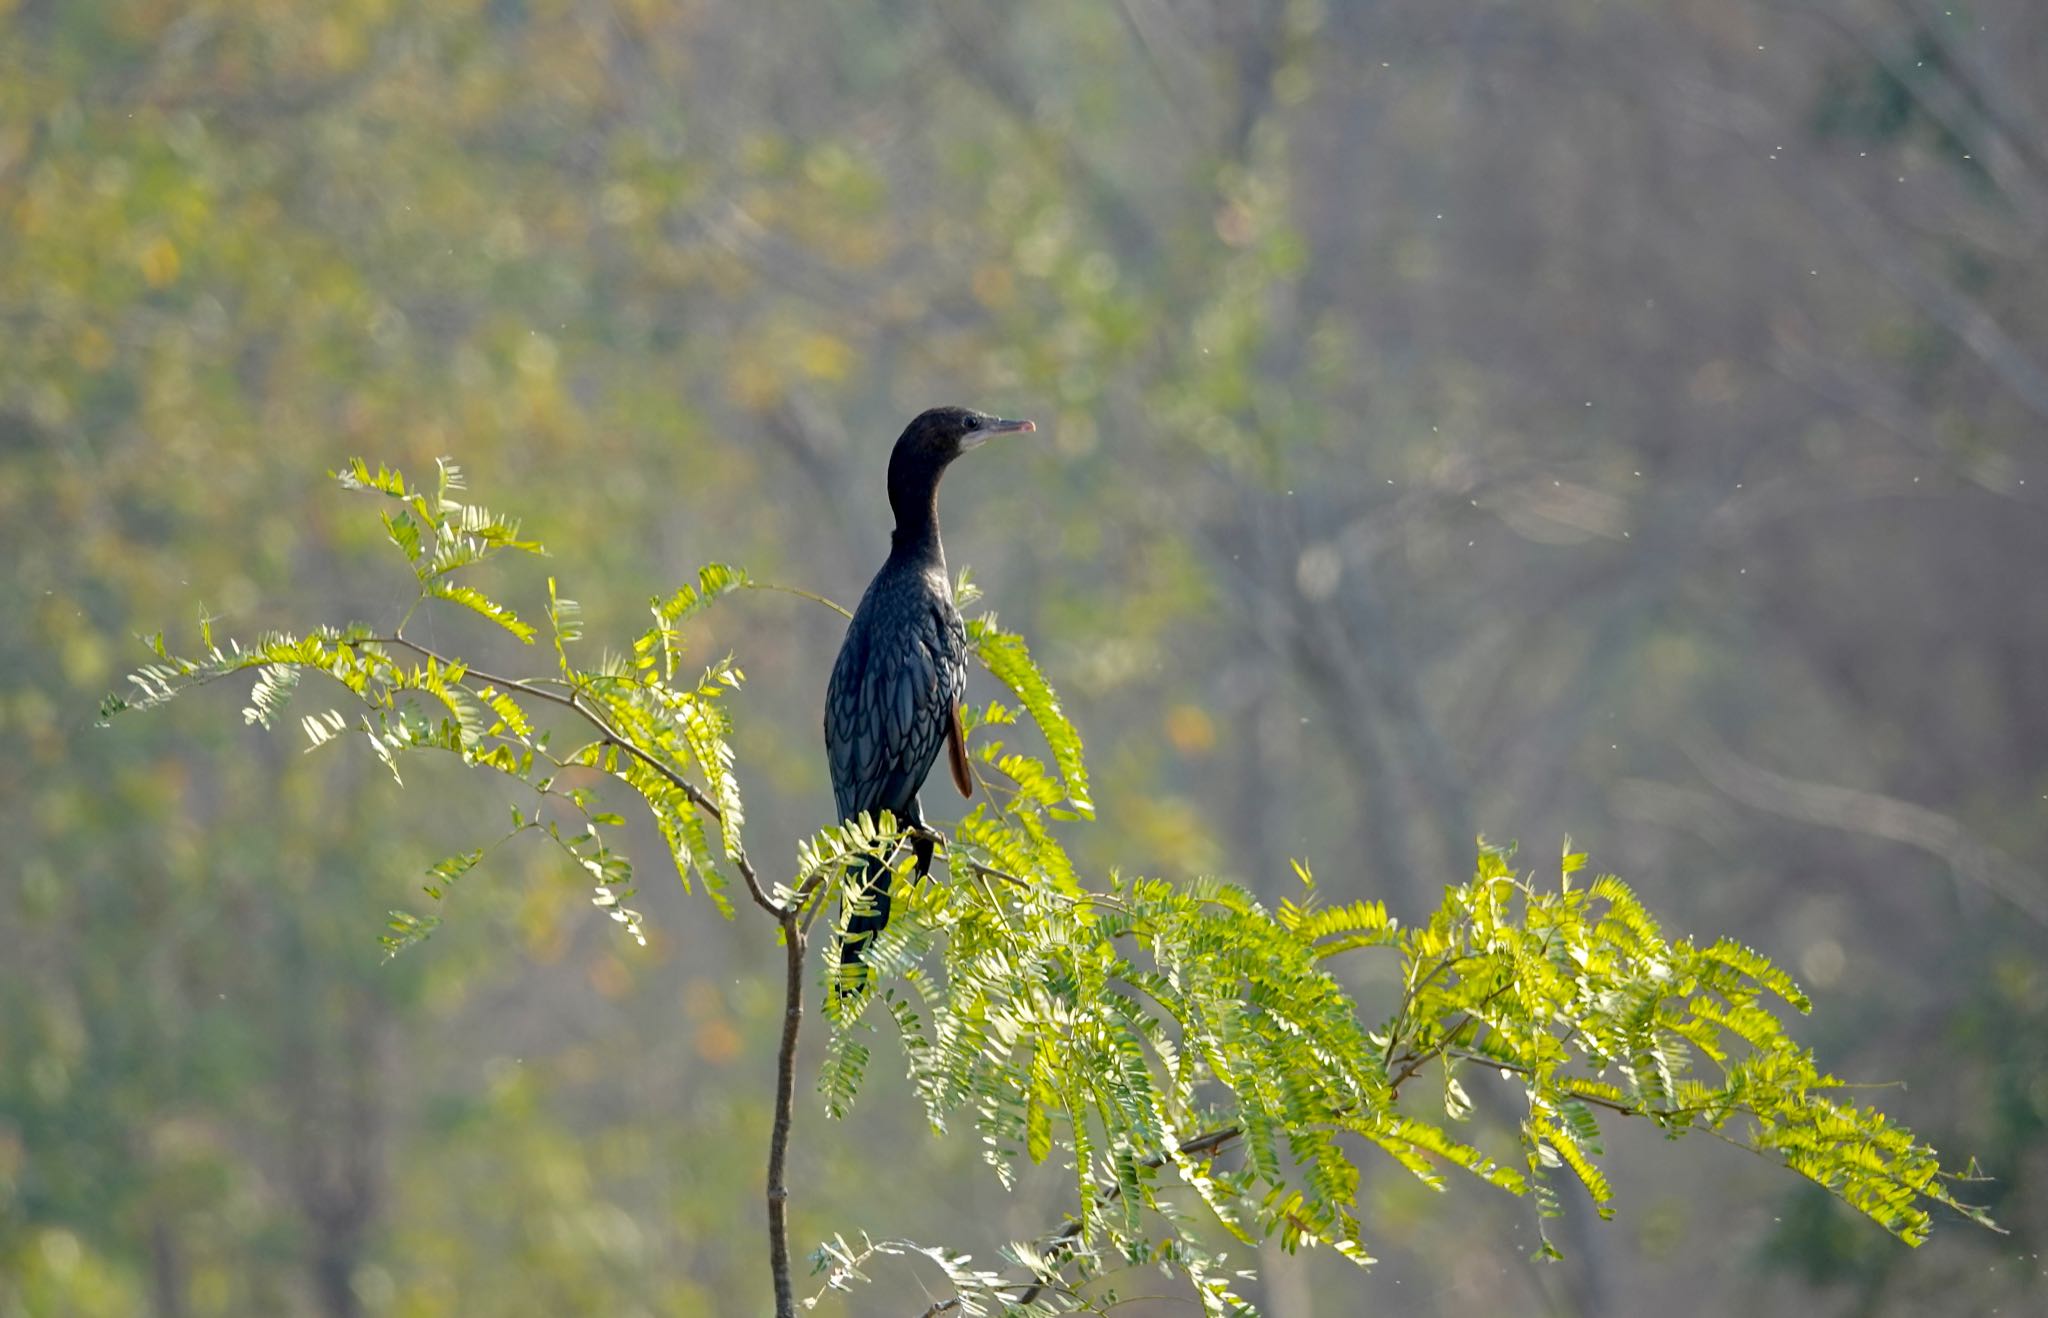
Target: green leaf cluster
<point x="1142" y="1034"/>
<point x="655" y="730"/>
<point x="1149" y="1035"/>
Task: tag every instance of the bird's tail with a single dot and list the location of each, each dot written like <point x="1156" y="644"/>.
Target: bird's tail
<point x="869" y="893"/>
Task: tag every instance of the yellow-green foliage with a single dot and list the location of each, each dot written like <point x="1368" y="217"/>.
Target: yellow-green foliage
<point x="1147" y="1034"/>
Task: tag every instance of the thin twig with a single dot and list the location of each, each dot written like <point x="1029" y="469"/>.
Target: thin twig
<point x="1408" y="997"/>
<point x="785" y="1112"/>
<point x="801" y="593"/>
<point x="573" y="701"/>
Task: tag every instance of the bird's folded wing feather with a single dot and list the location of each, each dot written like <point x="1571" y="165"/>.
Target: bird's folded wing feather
<point x="956" y="754"/>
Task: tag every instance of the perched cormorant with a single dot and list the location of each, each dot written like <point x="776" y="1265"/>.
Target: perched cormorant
<point x="894" y="697"/>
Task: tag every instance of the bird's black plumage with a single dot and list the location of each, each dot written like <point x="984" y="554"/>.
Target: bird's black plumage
<point x="894" y="699"/>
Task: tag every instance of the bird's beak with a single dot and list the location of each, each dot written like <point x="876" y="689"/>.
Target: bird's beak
<point x="976" y="438"/>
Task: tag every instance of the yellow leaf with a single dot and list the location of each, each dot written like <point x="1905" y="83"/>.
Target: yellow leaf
<point x="824" y="357"/>
<point x="1190" y="730"/>
<point x="160" y="262"/>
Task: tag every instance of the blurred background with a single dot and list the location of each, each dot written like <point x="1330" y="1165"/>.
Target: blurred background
<point x="1627" y="417"/>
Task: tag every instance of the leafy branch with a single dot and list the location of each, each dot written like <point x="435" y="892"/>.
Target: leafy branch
<point x="1148" y="1035"/>
<point x="653" y="732"/>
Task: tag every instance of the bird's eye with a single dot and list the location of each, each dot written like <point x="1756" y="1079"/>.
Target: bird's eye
<point x="974" y="423"/>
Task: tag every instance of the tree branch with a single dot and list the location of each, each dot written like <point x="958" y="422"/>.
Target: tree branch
<point x="785" y="1111"/>
<point x="572" y="701"/>
<point x="1874" y="814"/>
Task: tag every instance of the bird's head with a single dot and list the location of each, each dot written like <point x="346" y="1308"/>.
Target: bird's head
<point x="940" y="434"/>
<point x="930" y="442"/>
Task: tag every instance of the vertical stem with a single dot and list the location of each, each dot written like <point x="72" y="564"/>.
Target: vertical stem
<point x="785" y="1112"/>
<point x="166" y="1272"/>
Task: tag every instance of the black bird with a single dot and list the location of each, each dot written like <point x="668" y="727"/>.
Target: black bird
<point x="894" y="697"/>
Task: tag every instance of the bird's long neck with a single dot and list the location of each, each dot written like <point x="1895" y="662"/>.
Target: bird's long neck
<point x="914" y="497"/>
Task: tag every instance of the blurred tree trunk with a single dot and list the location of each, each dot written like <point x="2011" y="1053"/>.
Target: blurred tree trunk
<point x="336" y="1121"/>
<point x="166" y="1271"/>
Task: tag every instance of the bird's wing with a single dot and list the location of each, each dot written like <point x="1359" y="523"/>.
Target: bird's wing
<point x="849" y="753"/>
<point x="887" y="711"/>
